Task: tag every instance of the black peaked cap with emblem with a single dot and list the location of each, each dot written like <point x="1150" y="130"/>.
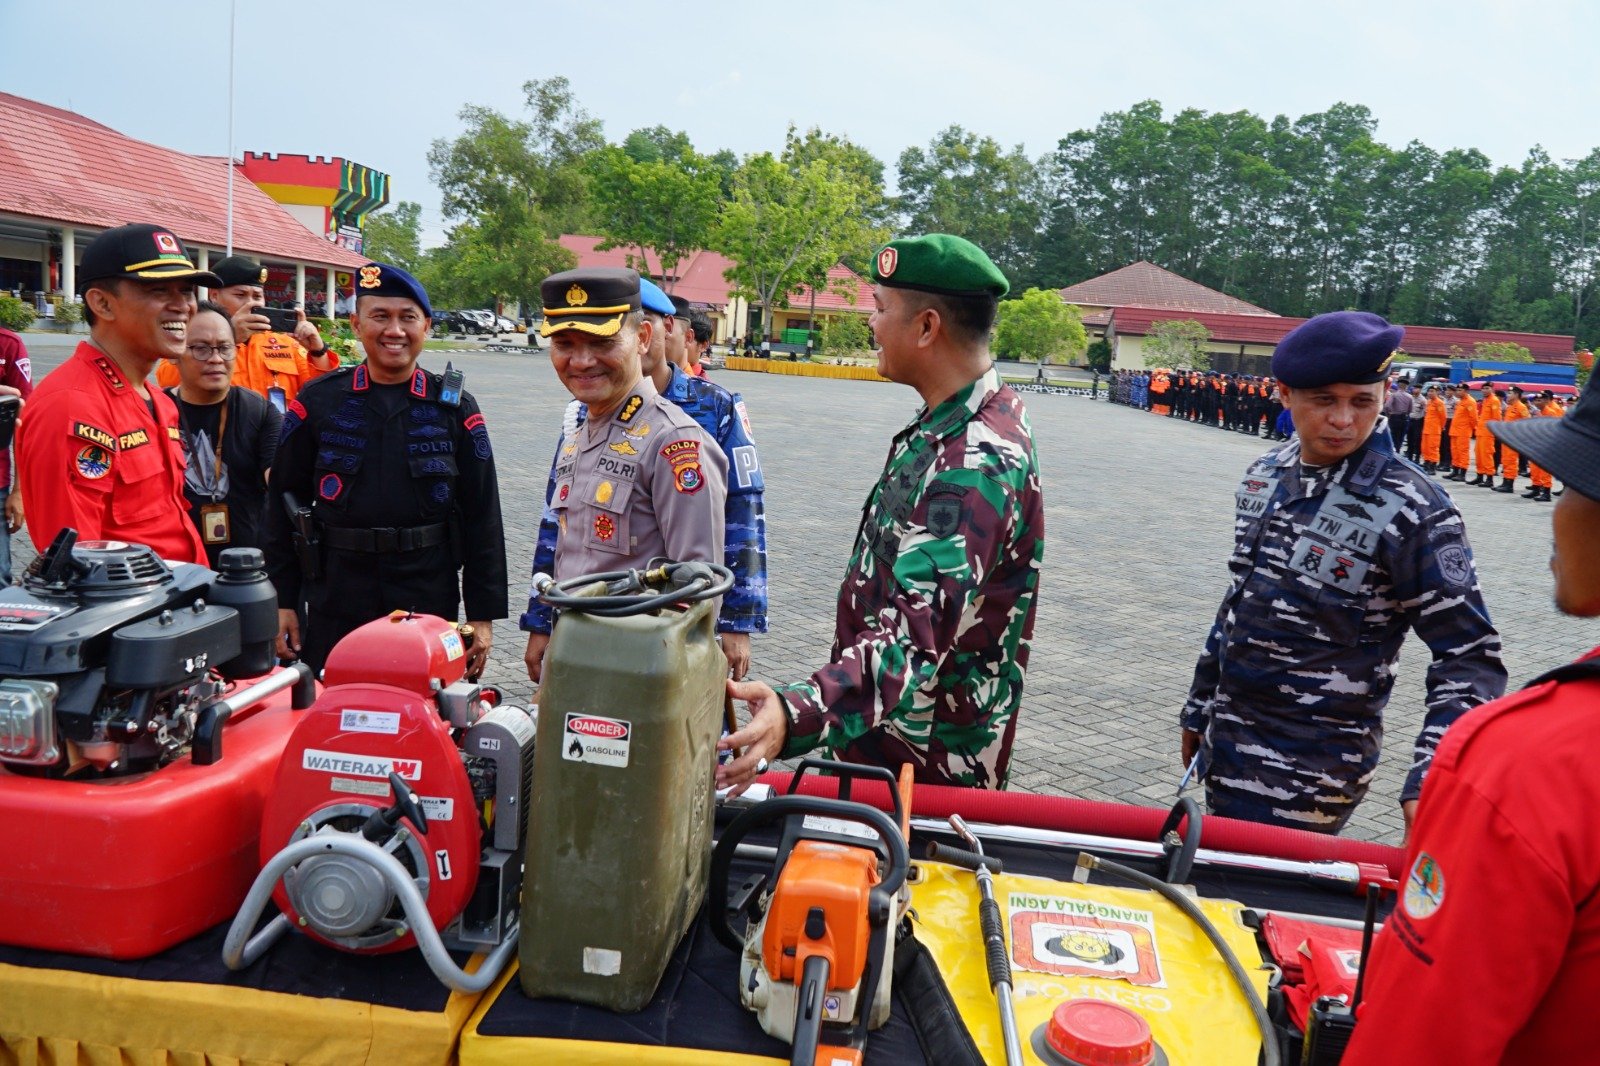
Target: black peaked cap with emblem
<point x="143" y="252"/>
<point x="1338" y="348"/>
<point x="1568" y="446"/>
<point x="590" y="301"/>
<point x="239" y="270"/>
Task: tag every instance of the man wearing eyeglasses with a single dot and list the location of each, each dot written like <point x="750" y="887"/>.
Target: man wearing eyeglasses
<point x="99" y="450"/>
<point x="230" y="436"/>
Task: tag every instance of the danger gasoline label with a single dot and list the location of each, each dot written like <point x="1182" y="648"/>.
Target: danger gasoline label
<point x="593" y="739"/>
<point x="340" y="762"/>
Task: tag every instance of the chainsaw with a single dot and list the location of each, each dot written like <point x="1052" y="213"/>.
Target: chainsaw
<point x="817" y="952"/>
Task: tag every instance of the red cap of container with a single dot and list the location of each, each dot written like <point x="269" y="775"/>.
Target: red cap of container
<point x="1092" y="1033"/>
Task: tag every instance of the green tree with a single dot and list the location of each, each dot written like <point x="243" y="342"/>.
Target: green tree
<point x="512" y="186"/>
<point x="662" y="206"/>
<point x="1039" y="327"/>
<point x="1098" y="355"/>
<point x="845" y="334"/>
<point x="1501" y="352"/>
<point x="970" y="186"/>
<point x="395" y="236"/>
<point x="1177" y="344"/>
<point x="787" y="224"/>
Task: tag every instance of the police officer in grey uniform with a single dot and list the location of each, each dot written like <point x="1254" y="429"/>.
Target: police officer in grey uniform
<point x="638" y="479"/>
<point x="1340" y="547"/>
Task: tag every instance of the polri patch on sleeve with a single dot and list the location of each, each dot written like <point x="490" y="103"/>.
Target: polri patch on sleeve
<point x="684" y="455"/>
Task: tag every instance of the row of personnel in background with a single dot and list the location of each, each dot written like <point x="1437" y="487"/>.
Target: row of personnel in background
<point x="1240" y="403"/>
<point x="1450" y="431"/>
<point x="383" y="493"/>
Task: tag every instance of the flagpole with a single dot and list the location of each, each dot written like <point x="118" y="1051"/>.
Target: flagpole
<point x="233" y="12"/>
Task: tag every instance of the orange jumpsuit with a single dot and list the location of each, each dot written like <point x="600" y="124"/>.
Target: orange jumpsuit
<point x="1159" y="383"/>
<point x="1463" y="427"/>
<point x="1432" y="428"/>
<point x="1487" y="413"/>
<point x="1537" y="474"/>
<point x="91" y="455"/>
<point x="265" y="360"/>
<point x="1515" y="411"/>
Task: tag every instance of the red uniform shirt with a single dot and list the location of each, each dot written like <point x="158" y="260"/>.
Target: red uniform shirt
<point x="1493" y="954"/>
<point x="92" y="457"/>
<point x="16" y="371"/>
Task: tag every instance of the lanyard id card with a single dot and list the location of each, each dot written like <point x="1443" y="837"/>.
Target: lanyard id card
<point x="214" y="527"/>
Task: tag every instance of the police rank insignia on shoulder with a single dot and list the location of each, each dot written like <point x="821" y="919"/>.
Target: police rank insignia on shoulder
<point x="630" y="409"/>
<point x="622" y="447"/>
<point x="93" y="462"/>
<point x="684" y="455"/>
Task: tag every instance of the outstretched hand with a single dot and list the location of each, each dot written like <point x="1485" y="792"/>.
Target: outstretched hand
<point x="761" y="740"/>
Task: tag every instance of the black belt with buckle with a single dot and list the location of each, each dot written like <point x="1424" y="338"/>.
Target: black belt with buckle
<point x="388" y="539"/>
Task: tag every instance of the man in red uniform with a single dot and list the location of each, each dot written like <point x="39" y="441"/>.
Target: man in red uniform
<point x="98" y="449"/>
<point x="1493" y="953"/>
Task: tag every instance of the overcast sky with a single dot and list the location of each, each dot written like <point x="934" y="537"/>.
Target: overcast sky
<point x="377" y="82"/>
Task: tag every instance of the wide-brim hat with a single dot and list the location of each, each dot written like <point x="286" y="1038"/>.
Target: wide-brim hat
<point x="143" y="252"/>
<point x="1568" y="445"/>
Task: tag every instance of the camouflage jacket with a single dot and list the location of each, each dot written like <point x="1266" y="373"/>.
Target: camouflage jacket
<point x="744" y="547"/>
<point x="1330" y="567"/>
<point x="936" y="610"/>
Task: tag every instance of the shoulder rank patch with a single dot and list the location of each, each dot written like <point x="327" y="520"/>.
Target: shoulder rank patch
<point x="630" y="409"/>
<point x="93" y="462"/>
<point x="94" y="435"/>
<point x="136" y="439"/>
<point x="419" y="383"/>
<point x="109" y="371"/>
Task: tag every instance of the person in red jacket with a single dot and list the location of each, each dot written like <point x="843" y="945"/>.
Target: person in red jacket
<point x="97" y="448"/>
<point x="1492" y="954"/>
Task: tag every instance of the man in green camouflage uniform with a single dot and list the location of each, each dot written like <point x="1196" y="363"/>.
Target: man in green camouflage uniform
<point x="936" y="611"/>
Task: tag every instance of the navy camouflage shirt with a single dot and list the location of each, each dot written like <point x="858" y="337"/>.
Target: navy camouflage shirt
<point x="1331" y="566"/>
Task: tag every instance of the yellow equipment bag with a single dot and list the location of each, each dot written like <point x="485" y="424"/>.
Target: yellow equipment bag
<point x="1071" y="941"/>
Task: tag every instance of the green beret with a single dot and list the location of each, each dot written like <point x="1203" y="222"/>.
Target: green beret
<point x="939" y="263"/>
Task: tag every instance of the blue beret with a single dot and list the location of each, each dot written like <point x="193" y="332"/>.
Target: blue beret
<point x="651" y="298"/>
<point x="382" y="279"/>
<point x="1339" y="348"/>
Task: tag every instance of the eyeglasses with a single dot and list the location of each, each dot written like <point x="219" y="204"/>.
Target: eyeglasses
<point x="206" y="353"/>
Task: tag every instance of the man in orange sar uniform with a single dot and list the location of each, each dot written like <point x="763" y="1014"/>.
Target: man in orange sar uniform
<point x="1544" y="407"/>
<point x="1483" y="445"/>
<point x="1515" y="411"/>
<point x="1463" y="427"/>
<point x="1432" y="430"/>
<point x="275" y="365"/>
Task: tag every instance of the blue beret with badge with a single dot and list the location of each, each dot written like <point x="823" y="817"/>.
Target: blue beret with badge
<point x="651" y="298"/>
<point x="384" y="279"/>
<point x="1338" y="348"/>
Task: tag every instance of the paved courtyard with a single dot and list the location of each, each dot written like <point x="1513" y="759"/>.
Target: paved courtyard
<point x="1139" y="516"/>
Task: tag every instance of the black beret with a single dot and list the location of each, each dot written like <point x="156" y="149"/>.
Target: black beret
<point x="1338" y="348"/>
<point x="680" y="306"/>
<point x="239" y="270"/>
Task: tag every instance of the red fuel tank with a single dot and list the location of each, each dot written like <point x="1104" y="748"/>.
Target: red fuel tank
<point x="128" y="867"/>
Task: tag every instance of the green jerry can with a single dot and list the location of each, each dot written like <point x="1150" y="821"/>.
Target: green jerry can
<point x="619" y="828"/>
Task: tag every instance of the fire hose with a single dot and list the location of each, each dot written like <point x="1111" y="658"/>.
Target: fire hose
<point x="618" y="593"/>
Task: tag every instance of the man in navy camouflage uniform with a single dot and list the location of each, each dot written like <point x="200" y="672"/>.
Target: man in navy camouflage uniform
<point x="721" y="415"/>
<point x="1341" y="546"/>
<point x="936" y="610"/>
